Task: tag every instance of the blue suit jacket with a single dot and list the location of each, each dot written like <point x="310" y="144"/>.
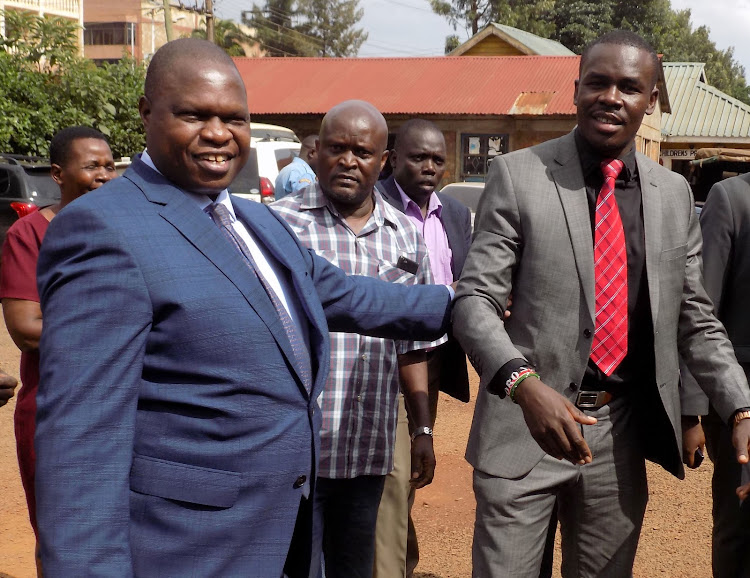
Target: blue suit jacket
<point x="456" y="219"/>
<point x="173" y="428"/>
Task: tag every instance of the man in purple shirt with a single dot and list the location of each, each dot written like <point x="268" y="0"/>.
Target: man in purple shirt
<point x="418" y="161"/>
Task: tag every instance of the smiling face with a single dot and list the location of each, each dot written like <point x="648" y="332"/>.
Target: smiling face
<point x="419" y="163"/>
<point x="615" y="89"/>
<point x="88" y="165"/>
<point x="351" y="153"/>
<point x="198" y="125"/>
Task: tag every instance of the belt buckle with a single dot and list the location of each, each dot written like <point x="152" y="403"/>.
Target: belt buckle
<point x="590" y="399"/>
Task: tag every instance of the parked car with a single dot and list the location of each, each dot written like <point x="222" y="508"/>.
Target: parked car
<point x="467" y="193"/>
<point x="25" y="186"/>
<point x="271" y="149"/>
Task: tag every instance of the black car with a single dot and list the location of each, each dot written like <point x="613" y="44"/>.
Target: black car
<point x="25" y="184"/>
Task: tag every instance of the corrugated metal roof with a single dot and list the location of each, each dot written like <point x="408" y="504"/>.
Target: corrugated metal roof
<point x="699" y="109"/>
<point x="536" y="44"/>
<point x="464" y="85"/>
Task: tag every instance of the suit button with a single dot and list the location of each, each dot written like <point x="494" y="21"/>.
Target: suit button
<point x="299" y="482"/>
<point x="573" y="385"/>
<point x="587" y="333"/>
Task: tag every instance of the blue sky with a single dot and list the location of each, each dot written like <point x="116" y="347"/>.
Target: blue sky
<point x="409" y="28"/>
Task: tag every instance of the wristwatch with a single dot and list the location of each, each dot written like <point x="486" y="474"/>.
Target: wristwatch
<point x="740" y="415"/>
<point x="424" y="430"/>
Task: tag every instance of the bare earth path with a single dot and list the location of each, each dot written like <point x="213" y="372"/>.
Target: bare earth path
<point x="675" y="542"/>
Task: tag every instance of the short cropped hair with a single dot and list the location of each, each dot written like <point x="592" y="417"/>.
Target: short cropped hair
<point x="195" y="50"/>
<point x="415" y="125"/>
<point x="623" y="38"/>
<point x="59" y="146"/>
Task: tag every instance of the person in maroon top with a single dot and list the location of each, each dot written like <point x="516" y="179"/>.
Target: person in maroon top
<point x="81" y="161"/>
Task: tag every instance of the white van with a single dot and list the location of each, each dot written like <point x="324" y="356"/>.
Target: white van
<point x="272" y="148"/>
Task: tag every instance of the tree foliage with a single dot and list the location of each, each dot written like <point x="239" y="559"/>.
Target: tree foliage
<point x="42" y="41"/>
<point x="575" y="23"/>
<point x="228" y="36"/>
<point x="43" y="91"/>
<point x="307" y="27"/>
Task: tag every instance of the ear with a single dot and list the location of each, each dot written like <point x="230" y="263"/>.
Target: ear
<point x="144" y="109"/>
<point x="575" y="92"/>
<point x="55" y="172"/>
<point x="393" y="157"/>
<point x="383" y="159"/>
<point x="652" y="100"/>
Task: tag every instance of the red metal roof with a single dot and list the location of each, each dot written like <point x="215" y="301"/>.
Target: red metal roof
<point x="452" y="85"/>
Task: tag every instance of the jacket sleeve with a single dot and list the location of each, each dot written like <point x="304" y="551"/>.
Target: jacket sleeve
<point x="97" y="315"/>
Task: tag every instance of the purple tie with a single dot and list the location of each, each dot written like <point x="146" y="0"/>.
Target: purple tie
<point x="221" y="216"/>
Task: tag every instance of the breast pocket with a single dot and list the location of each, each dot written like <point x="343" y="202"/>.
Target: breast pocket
<point x="397" y="272"/>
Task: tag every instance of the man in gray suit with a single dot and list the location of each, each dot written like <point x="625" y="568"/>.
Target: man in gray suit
<point x="594" y="394"/>
<point x="725" y="224"/>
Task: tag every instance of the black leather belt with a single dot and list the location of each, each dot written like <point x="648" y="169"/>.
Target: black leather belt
<point x="593" y="399"/>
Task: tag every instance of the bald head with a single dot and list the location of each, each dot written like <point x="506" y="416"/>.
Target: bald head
<point x="194" y="53"/>
<point x="351" y="154"/>
<point x="364" y="113"/>
<point x="307" y="151"/>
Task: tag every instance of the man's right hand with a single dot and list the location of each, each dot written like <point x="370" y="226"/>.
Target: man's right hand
<point x="553" y="421"/>
<point x="7" y="386"/>
<point x="693" y="439"/>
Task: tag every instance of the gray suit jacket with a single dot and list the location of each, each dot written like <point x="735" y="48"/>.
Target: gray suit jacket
<point x="533" y="236"/>
<point x="725" y="223"/>
<point x="456" y="219"/>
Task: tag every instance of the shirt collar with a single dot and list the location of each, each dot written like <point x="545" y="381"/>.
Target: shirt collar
<point x="314" y="198"/>
<point x="591" y="160"/>
<point x="203" y="201"/>
<point x="433" y="204"/>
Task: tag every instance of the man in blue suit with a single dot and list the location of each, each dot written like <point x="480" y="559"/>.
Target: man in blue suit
<point x="183" y="353"/>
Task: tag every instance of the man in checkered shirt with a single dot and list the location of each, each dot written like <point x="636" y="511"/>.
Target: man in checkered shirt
<point x="346" y="221"/>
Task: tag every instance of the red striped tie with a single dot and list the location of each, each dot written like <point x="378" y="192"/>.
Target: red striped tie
<point x="610" y="344"/>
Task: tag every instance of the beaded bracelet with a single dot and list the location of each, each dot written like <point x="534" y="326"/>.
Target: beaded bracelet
<point x="513" y="388"/>
<point x="523" y="370"/>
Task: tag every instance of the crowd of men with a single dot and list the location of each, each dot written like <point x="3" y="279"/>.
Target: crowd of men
<point x="254" y="390"/>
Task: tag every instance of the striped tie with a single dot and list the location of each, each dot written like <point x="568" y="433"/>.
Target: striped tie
<point x="610" y="344"/>
<point x="222" y="217"/>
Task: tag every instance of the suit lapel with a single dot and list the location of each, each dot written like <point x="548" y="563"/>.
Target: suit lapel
<point x="196" y="226"/>
<point x="568" y="179"/>
<point x="652" y="226"/>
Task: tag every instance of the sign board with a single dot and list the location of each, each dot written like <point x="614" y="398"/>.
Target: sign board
<point x="679" y="154"/>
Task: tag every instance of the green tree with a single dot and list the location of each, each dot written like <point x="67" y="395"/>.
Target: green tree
<point x="332" y="23"/>
<point x="229" y="36"/>
<point x="42" y="41"/>
<point x="36" y="104"/>
<point x="275" y="29"/>
<point x="470" y="14"/>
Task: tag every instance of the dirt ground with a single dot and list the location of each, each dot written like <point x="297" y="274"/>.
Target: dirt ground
<point x="675" y="542"/>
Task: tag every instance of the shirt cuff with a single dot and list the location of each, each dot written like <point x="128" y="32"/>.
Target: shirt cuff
<point x="452" y="291"/>
<point x="497" y="383"/>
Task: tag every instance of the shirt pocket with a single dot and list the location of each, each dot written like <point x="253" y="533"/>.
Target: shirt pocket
<point x="388" y="271"/>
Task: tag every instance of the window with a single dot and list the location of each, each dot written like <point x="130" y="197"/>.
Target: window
<point x="477" y="152"/>
<point x="109" y="33"/>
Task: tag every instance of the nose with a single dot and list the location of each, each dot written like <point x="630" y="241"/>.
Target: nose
<point x="216" y="131"/>
<point x="429" y="167"/>
<point x="348" y="159"/>
<point x="611" y="95"/>
<point x="104" y="174"/>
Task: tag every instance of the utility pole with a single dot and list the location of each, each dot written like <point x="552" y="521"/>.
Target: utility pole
<point x="168" y="20"/>
<point x="210" y="21"/>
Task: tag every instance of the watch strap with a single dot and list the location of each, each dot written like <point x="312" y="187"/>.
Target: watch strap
<point x="421" y="431"/>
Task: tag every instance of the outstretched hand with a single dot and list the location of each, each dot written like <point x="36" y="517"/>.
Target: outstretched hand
<point x="553" y="421"/>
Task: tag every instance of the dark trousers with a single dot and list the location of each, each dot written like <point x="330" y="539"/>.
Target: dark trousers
<point x="731" y="532"/>
<point x="349" y="510"/>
